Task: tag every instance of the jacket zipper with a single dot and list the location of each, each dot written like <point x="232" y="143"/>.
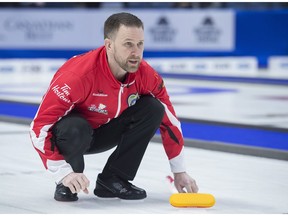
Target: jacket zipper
<point x="119" y="100"/>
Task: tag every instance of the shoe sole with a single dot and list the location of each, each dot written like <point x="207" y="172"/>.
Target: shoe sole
<point x="65" y="199"/>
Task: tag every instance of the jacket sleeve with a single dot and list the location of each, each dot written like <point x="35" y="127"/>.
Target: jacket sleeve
<point x="63" y="93"/>
<point x="170" y="128"/>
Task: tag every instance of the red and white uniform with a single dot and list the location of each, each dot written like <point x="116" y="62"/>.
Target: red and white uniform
<point x="86" y="84"/>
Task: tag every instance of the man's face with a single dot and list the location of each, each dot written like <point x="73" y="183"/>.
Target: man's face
<point x="128" y="46"/>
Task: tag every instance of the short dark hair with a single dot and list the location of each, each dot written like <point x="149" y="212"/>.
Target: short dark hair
<point x="113" y="23"/>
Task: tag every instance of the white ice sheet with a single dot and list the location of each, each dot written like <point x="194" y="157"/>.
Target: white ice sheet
<point x="240" y="184"/>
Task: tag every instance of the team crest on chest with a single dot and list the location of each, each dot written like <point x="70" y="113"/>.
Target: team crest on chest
<point x="132" y="99"/>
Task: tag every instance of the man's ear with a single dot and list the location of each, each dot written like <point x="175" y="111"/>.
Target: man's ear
<point x="107" y="44"/>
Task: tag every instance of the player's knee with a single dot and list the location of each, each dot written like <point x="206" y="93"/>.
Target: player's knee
<point x="73" y="131"/>
<point x="155" y="108"/>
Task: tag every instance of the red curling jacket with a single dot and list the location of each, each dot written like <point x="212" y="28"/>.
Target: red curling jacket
<point x="86" y="84"/>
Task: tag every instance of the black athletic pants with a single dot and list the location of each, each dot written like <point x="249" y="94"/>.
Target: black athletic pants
<point x="130" y="132"/>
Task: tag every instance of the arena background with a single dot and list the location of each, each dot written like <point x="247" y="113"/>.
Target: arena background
<point x="234" y="42"/>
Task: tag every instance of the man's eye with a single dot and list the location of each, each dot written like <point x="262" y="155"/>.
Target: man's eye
<point x="128" y="44"/>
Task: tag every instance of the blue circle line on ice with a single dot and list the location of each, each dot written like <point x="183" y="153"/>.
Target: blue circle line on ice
<point x="180" y="90"/>
<point x="172" y="89"/>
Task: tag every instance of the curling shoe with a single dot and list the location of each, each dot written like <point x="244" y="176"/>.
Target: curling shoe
<point x="64" y="194"/>
<point x="117" y="187"/>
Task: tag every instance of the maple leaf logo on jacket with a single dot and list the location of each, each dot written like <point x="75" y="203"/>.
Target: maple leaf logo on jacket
<point x="100" y="109"/>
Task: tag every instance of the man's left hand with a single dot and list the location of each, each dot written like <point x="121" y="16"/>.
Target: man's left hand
<point x="183" y="180"/>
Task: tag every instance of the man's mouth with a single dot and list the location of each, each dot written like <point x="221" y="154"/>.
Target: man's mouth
<point x="133" y="61"/>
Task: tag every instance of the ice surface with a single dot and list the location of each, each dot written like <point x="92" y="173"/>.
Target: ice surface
<point x="241" y="184"/>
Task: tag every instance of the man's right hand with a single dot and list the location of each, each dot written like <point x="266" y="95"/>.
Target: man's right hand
<point x="76" y="182"/>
